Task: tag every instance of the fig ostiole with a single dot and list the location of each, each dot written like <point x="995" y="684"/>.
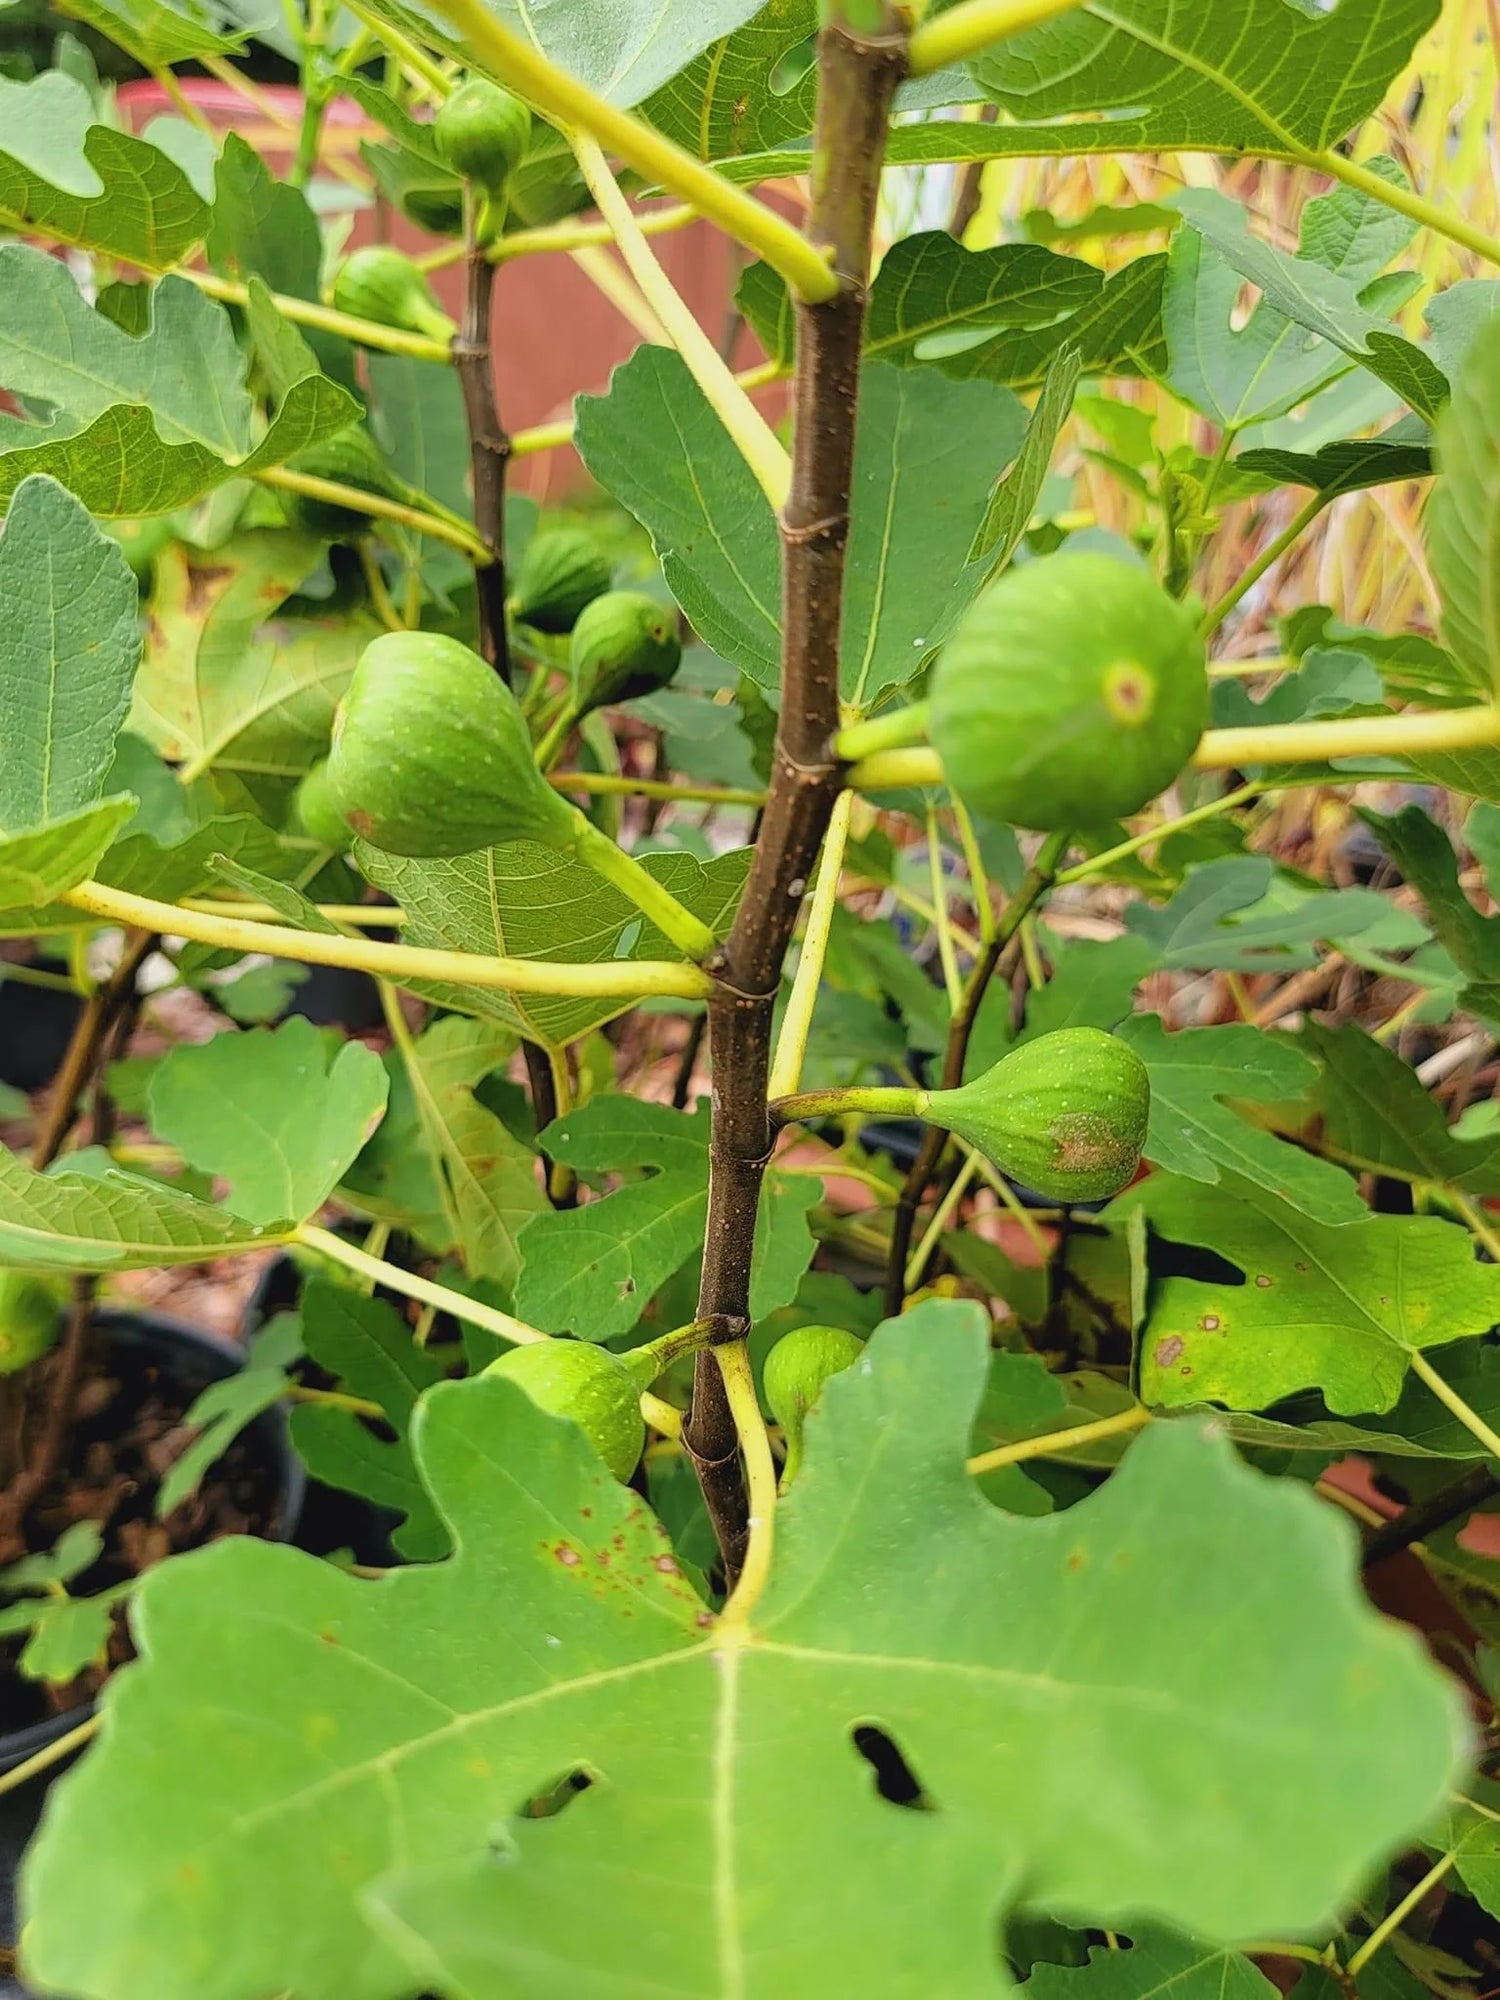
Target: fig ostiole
<point x="29" y="1320"/>
<point x="795" y="1371"/>
<point x="431" y="757"/>
<point x="381" y="284"/>
<point x="561" y="571"/>
<point x="1072" y="693"/>
<point x="588" y="1384"/>
<point x="482" y="132"/>
<point x="1064" y="1116"/>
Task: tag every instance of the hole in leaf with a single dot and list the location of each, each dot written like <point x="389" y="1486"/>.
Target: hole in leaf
<point x="788" y="70"/>
<point x="895" y="1779"/>
<point x="1191" y="1260"/>
<point x="557" y="1797"/>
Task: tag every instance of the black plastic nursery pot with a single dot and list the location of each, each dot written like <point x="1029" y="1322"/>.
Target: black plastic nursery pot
<point x="150" y="1347"/>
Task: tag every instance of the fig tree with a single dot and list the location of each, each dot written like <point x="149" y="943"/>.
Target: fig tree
<point x="573" y="1378"/>
<point x="1073" y="692"/>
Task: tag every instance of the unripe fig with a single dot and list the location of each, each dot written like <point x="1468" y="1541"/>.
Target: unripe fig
<point x="439" y="210"/>
<point x="316" y="811"/>
<point x="28" y="1321"/>
<point x="381" y="284"/>
<point x="1073" y="691"/>
<point x="573" y="1378"/>
<point x="482" y="132"/>
<point x="1064" y="1115"/>
<point x="431" y="754"/>
<point x="351" y="458"/>
<point x="560" y="572"/>
<point x="796" y="1369"/>
<point x="624" y="644"/>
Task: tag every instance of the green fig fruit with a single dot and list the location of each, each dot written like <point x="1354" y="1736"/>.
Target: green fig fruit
<point x="1073" y="692"/>
<point x="573" y="1378"/>
<point x="431" y="754"/>
<point x="625" y="644"/>
<point x="29" y="1321"/>
<point x="482" y="132"/>
<point x="142" y="541"/>
<point x="560" y="572"/>
<point x="380" y="284"/>
<point x="350" y="458"/>
<point x="795" y="1370"/>
<point x="1064" y="1115"/>
<point x="316" y="812"/>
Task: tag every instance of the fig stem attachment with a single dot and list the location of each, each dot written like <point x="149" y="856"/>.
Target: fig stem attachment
<point x="405" y="964"/>
<point x="673" y="919"/>
<point x="748" y="430"/>
<point x="895" y="729"/>
<point x="380" y="508"/>
<point x="873" y="1101"/>
<point x="379" y="1272"/>
<point x="1407" y="734"/>
<point x="655" y="1357"/>
<point x="661" y="162"/>
<point x="967" y="30"/>
<point x="733" y="1358"/>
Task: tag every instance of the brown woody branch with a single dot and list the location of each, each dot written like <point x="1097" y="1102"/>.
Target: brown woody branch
<point x="857" y="76"/>
<point x="1034" y="886"/>
<point x="489" y="453"/>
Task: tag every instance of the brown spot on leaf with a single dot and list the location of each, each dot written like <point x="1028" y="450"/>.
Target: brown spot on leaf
<point x="1168" y="1350"/>
<point x="666" y="1564"/>
<point x="1263" y="1281"/>
<point x="1209" y="1322"/>
<point x="202" y="581"/>
<point x="567" y="1555"/>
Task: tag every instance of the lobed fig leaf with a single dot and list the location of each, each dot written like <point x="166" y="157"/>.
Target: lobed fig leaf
<point x="1071" y="694"/>
<point x="1064" y="1115"/>
<point x="591" y="1385"/>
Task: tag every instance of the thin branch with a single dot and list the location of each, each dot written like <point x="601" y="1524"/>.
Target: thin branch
<point x="90" y="1032"/>
<point x="378" y="507"/>
<point x="324" y="319"/>
<point x="1423" y="1517"/>
<point x="489" y="454"/>
<point x="796" y="1022"/>
<point x="967" y="30"/>
<point x="857" y="78"/>
<point x="1413" y="733"/>
<point x="621" y="978"/>
<point x="751" y="435"/>
<point x="379" y="1272"/>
